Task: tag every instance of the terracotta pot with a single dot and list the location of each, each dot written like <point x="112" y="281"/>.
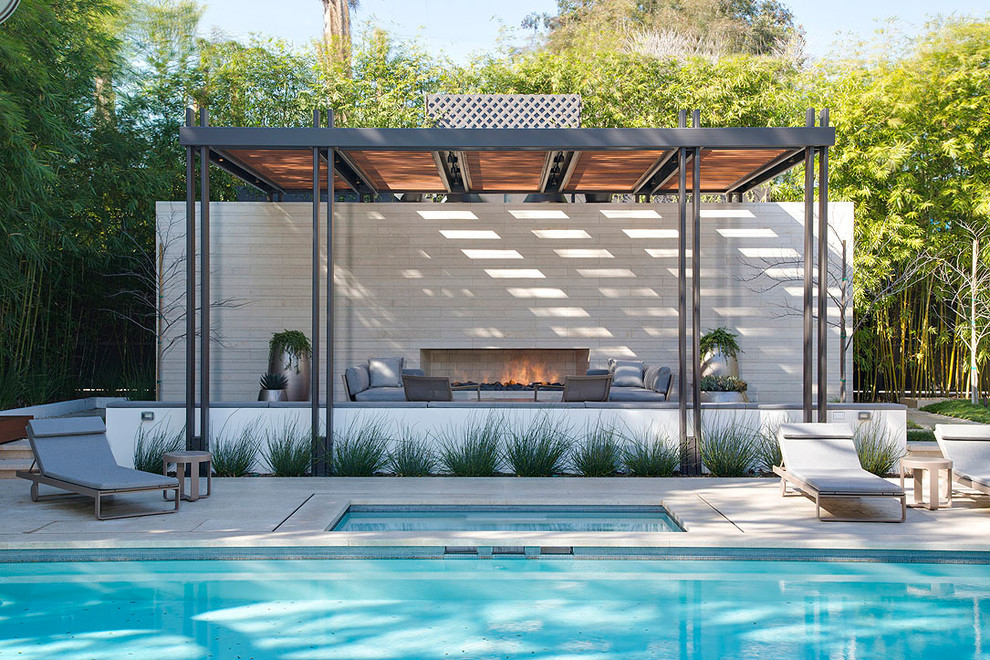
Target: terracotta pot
<point x="296" y="372"/>
<point x="717" y="363"/>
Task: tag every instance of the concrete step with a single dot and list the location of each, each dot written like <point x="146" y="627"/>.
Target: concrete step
<point x="10" y="466"/>
<point x="17" y="449"/>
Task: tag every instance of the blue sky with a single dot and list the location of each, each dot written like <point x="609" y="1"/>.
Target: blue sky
<point x="462" y="27"/>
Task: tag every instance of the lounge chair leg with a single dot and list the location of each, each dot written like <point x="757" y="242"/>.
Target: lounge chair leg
<point x="97" y="500"/>
<point x="34" y="491"/>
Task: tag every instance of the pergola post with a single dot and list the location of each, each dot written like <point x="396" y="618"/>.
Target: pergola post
<point x="696" y="293"/>
<point x="686" y="453"/>
<point x="823" y="276"/>
<point x="323" y="461"/>
<point x="314" y="369"/>
<point x="809" y="256"/>
<point x="190" y="291"/>
<point x="204" y="291"/>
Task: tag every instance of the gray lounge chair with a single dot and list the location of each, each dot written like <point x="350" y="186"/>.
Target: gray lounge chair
<point x="586" y="388"/>
<point x="73" y="454"/>
<point x="427" y="388"/>
<point x="820" y="460"/>
<point x="968" y="447"/>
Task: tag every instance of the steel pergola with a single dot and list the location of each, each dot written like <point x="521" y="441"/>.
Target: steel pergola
<point x="684" y="150"/>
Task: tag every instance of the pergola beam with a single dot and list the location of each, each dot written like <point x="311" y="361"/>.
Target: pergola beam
<point x="507" y="139"/>
<point x="237" y="169"/>
<point x="764" y="174"/>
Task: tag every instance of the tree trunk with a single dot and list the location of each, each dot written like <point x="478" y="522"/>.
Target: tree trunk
<point x="337" y="30"/>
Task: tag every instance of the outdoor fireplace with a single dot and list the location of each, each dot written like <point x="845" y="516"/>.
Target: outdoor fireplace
<point x="505" y="366"/>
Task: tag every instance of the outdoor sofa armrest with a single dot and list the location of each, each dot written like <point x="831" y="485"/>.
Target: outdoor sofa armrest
<point x="413" y="372"/>
<point x="597" y="372"/>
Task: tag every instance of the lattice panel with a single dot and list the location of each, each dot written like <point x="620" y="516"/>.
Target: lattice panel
<point x="504" y="110"/>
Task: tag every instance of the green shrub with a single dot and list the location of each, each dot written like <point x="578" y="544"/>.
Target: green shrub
<point x="287" y="451"/>
<point x="920" y="435"/>
<point x="540" y="449"/>
<point x="273" y="382"/>
<point x="235" y="457"/>
<point x="361" y="449"/>
<point x="722" y="384"/>
<point x="767" y="446"/>
<point x="650" y="453"/>
<point x="962" y="409"/>
<point x="878" y="452"/>
<point x="153" y="443"/>
<point x="411" y="457"/>
<point x="719" y="339"/>
<point x="728" y="450"/>
<point x="599" y="453"/>
<point x="472" y="450"/>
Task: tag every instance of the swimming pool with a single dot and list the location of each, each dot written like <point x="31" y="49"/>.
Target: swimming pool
<point x="501" y="608"/>
<point x="476" y="518"/>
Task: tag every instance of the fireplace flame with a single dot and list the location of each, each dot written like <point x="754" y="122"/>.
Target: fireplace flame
<point x="518" y="371"/>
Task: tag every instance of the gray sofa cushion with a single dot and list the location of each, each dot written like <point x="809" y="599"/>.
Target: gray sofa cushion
<point x="657" y="378"/>
<point x="386" y="372"/>
<point x="358" y="378"/>
<point x="626" y="373"/>
<point x="634" y="394"/>
<point x="381" y="394"/>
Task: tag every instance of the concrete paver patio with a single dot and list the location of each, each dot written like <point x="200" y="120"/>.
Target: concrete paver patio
<point x="259" y="512"/>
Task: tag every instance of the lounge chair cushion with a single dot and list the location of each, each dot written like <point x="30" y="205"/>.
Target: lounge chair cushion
<point x="819" y="446"/>
<point x="386" y="372"/>
<point x="844" y="482"/>
<point x="381" y="394"/>
<point x="626" y="373"/>
<point x="358" y="378"/>
<point x="968" y="447"/>
<point x="634" y="394"/>
<point x="114" y="477"/>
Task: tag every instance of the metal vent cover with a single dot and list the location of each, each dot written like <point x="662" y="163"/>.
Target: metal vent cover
<point x="504" y="110"/>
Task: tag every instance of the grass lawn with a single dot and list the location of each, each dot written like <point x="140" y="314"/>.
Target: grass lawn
<point x="961" y="409"/>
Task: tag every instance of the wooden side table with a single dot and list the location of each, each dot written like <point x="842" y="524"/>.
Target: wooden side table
<point x="192" y="460"/>
<point x="917" y="465"/>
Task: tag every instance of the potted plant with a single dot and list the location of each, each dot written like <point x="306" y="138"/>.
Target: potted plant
<point x="289" y="354"/>
<point x="273" y="387"/>
<point x="723" y="389"/>
<point x="718" y="353"/>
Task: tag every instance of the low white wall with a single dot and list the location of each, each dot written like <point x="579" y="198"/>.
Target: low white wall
<point x="124" y="423"/>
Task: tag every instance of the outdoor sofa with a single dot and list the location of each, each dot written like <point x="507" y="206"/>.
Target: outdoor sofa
<point x="73" y="454"/>
<point x="968" y="447"/>
<point x="634" y="381"/>
<point x="379" y="379"/>
<point x="821" y="461"/>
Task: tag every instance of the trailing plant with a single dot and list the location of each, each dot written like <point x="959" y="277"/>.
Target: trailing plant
<point x="721" y="340"/>
<point x="361" y="449"/>
<point x="472" y="450"/>
<point x="235" y="457"/>
<point x="540" y="449"/>
<point x="411" y="457"/>
<point x="723" y="384"/>
<point x="287" y="451"/>
<point x="650" y="453"/>
<point x="291" y="342"/>
<point x="599" y="453"/>
<point x="153" y="443"/>
<point x="728" y="450"/>
<point x="768" y="446"/>
<point x="274" y="382"/>
<point x="878" y="452"/>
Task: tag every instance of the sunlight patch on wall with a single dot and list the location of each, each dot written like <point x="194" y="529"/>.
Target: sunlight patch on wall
<point x="650" y="233"/>
<point x="630" y="213"/>
<point x="605" y="272"/>
<point x="738" y="311"/>
<point x="447" y="215"/>
<point x="769" y="253"/>
<point x="538" y="214"/>
<point x="740" y="232"/>
<point x="726" y="213"/>
<point x="665" y="253"/>
<point x="515" y="273"/>
<point x="469" y="234"/>
<point x="561" y="233"/>
<point x="629" y="293"/>
<point x="535" y="292"/>
<point x="650" y="312"/>
<point x="559" y="312"/>
<point x="579" y="253"/>
<point x="581" y="332"/>
<point x="492" y="254"/>
<point x="412" y="274"/>
<point x="484" y="333"/>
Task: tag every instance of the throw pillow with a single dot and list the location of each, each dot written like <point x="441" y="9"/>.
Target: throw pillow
<point x="626" y="373"/>
<point x="358" y="378"/>
<point x="386" y="372"/>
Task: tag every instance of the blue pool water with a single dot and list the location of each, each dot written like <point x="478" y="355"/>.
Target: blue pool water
<point x="502" y="608"/>
<point x="471" y="518"/>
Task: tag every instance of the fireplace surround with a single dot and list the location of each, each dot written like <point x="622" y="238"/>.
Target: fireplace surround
<point x="504" y="365"/>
